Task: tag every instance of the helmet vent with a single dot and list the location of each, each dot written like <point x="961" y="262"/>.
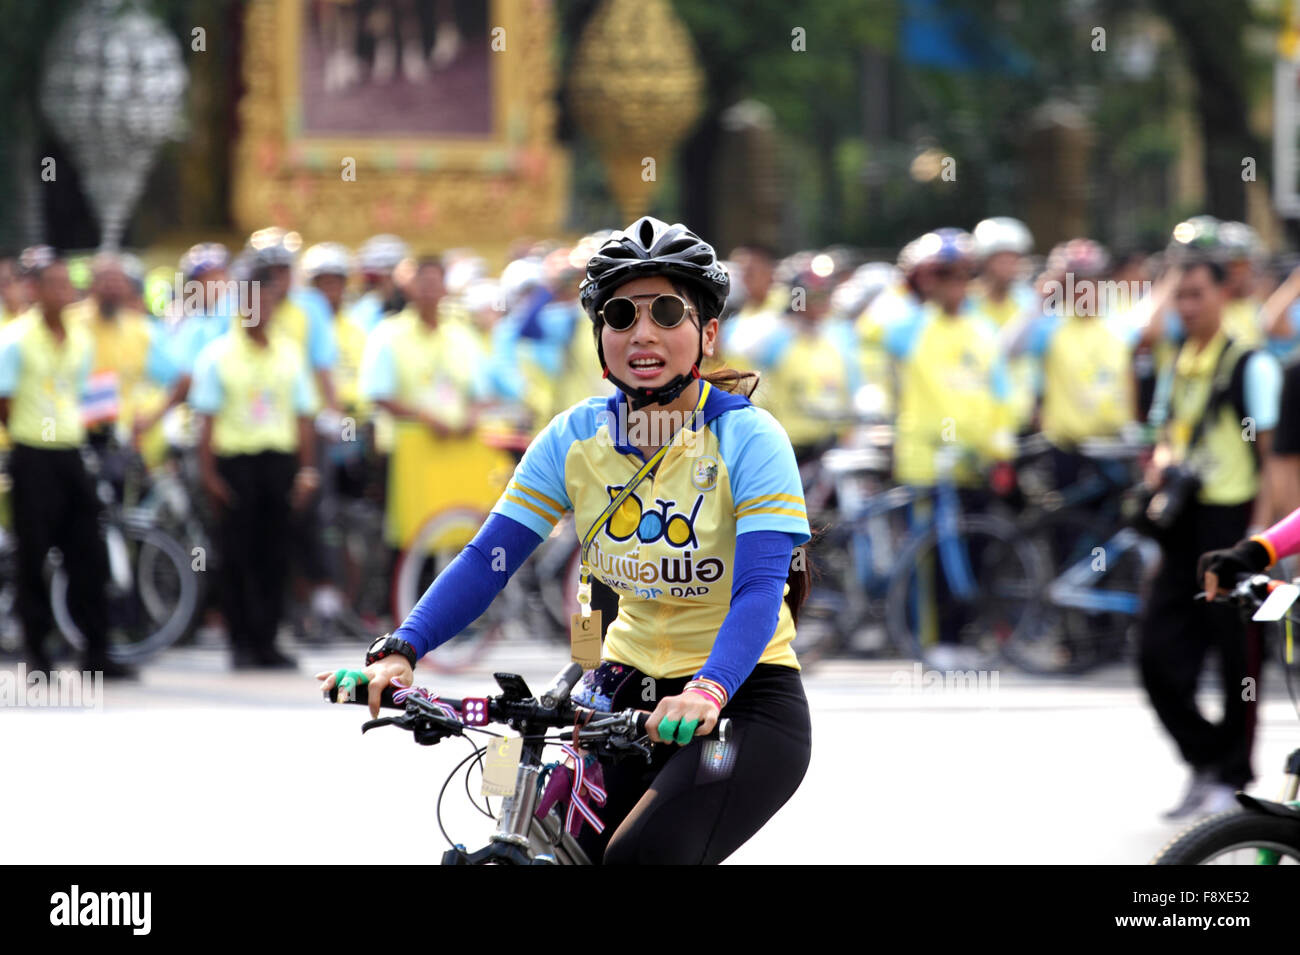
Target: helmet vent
<point x="647" y="232"/>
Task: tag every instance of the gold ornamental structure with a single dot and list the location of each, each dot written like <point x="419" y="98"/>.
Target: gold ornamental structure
<point x="435" y="190"/>
<point x="636" y="91"/>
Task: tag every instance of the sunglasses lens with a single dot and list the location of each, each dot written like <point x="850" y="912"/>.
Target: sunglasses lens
<point x="668" y="310"/>
<point x="619" y="313"/>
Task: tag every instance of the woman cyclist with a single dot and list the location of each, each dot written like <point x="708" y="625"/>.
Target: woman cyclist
<point x="700" y="553"/>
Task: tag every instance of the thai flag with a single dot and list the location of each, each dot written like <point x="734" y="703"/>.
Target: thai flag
<point x="100" y="403"/>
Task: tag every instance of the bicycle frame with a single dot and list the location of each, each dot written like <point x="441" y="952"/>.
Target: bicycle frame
<point x="517" y="827"/>
<point x="1076" y="586"/>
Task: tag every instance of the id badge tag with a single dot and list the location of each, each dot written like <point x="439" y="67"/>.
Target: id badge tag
<point x="501" y="766"/>
<point x="584" y="640"/>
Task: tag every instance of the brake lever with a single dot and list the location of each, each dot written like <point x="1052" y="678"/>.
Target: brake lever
<point x="382" y="721"/>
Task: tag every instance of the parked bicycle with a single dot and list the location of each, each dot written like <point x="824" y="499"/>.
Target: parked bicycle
<point x="1097" y="570"/>
<point x="523" y="835"/>
<point x="154" y="582"/>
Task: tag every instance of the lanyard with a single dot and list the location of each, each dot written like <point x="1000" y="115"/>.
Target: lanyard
<point x="584" y="579"/>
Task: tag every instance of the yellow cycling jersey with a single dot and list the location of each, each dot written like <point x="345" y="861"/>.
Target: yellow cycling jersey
<point x="807" y="382"/>
<point x="669" y="550"/>
<point x="130" y="368"/>
<point x="44" y="380"/>
<point x="1088" y="388"/>
<point x="953" y="393"/>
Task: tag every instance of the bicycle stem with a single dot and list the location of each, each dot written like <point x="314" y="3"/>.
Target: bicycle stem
<point x="517" y="810"/>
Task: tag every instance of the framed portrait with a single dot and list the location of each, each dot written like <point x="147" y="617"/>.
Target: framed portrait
<point x="406" y="116"/>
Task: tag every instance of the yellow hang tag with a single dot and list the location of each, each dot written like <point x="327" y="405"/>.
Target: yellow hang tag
<point x="584" y="640"/>
<point x="501" y="765"/>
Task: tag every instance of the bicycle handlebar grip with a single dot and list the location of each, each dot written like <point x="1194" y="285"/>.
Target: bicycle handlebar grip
<point x="362" y="695"/>
<point x="721" y="732"/>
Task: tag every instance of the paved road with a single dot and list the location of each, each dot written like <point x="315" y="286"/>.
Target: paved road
<point x="192" y="765"/>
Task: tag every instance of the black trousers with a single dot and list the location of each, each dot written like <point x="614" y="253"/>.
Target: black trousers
<point x="254" y="535"/>
<point x="1177" y="634"/>
<point x="698" y="803"/>
<point x="55" y="505"/>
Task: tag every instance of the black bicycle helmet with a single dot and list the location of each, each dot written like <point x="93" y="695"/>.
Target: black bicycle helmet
<point x="650" y="246"/>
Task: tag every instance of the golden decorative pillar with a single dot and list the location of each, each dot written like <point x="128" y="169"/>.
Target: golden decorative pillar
<point x="636" y="89"/>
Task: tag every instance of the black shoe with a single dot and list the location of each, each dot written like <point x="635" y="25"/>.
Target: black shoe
<point x="110" y="669"/>
<point x="273" y="659"/>
<point x="37" y="660"/>
<point x="245" y="659"/>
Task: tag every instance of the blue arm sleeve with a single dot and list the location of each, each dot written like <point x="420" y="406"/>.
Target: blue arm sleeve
<point x="10" y="365"/>
<point x="378" y="376"/>
<point x="761" y="566"/>
<point x="159" y="366"/>
<point x="530" y="325"/>
<point x="206" y="395"/>
<point x="1263" y="387"/>
<point x="467" y="586"/>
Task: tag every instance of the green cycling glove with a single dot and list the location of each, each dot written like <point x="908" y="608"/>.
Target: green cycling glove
<point x="679" y="731"/>
<point x="347" y="682"/>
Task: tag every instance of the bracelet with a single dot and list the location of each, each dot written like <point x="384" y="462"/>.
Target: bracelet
<point x="710" y="689"/>
<point x="700" y="691"/>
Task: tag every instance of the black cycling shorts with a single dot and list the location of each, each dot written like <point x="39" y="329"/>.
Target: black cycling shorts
<point x="697" y="804"/>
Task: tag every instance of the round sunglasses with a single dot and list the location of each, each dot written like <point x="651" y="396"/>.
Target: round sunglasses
<point x="667" y="310"/>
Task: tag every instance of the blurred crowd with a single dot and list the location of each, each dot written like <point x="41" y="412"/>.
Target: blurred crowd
<point x="320" y="373"/>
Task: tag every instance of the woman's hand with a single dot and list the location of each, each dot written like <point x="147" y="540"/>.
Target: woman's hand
<point x="683" y="717"/>
<point x="379" y="675"/>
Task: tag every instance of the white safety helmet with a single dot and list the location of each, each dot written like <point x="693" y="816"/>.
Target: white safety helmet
<point x="1002" y="234"/>
<point x="326" y="258"/>
<point x="381" y="253"/>
<point x="518" y="279"/>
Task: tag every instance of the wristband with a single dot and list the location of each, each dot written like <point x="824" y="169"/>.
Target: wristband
<point x="706" y="694"/>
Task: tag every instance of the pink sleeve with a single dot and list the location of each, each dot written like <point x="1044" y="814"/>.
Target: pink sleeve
<point x="1283" y="538"/>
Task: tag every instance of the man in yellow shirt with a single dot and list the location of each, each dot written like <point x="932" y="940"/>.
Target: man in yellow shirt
<point x="44" y="366"/>
<point x="809" y="366"/>
<point x="254" y="396"/>
<point x="428" y="373"/>
<point x="132" y="363"/>
<point x="763" y="302"/>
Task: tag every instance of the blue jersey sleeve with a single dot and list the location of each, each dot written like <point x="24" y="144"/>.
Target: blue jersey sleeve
<point x="765" y="483"/>
<point x="206" y="396"/>
<point x="10" y="365"/>
<point x="1263" y="390"/>
<point x="536" y="496"/>
<point x="760" y="570"/>
<point x="322" y="348"/>
<point x="1040" y="336"/>
<point x="468" y="585"/>
<point x="377" y="379"/>
<point x="902" y="334"/>
<point x="158" y="365"/>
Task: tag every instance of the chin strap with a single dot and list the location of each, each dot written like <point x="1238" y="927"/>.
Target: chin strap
<point x="638" y="398"/>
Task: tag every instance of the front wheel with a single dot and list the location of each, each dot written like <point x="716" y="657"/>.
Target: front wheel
<point x="982" y="587"/>
<point x="1235" y="837"/>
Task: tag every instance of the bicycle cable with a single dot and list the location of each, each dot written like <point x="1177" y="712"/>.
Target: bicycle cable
<point x="441" y="792"/>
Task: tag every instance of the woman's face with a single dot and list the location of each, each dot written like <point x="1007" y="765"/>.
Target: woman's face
<point x="660" y="354"/>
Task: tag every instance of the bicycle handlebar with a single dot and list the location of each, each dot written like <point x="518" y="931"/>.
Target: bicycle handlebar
<point x="558" y="714"/>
